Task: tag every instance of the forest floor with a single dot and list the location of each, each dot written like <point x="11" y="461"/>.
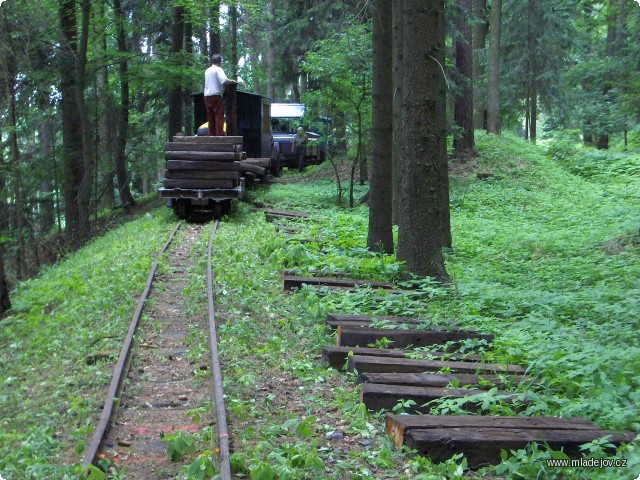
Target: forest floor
<point x="545" y="252"/>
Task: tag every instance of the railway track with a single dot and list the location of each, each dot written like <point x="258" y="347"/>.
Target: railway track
<point x="157" y="385"/>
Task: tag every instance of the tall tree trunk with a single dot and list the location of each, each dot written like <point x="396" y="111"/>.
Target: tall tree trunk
<point x="271" y="50"/>
<point x="203" y="42"/>
<point x="233" y="21"/>
<point x="120" y="155"/>
<point x="5" y="302"/>
<point x="71" y="128"/>
<point x="253" y="49"/>
<point x="397" y="74"/>
<point x="479" y="34"/>
<point x="493" y="87"/>
<point x="612" y="34"/>
<point x="47" y="216"/>
<point x="187" y="121"/>
<point x="424" y="223"/>
<point x="464" y="145"/>
<point x="532" y="72"/>
<point x="534" y="112"/>
<point x="86" y="184"/>
<point x="214" y="28"/>
<point x="105" y="121"/>
<point x="175" y="97"/>
<point x="20" y="229"/>
<point x="380" y="236"/>
<point x="527" y="112"/>
<point x="8" y="80"/>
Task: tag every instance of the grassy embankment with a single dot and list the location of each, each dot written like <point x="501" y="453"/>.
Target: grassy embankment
<point x="544" y="257"/>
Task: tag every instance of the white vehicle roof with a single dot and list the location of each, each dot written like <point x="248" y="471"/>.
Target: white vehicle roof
<point x="287" y="110"/>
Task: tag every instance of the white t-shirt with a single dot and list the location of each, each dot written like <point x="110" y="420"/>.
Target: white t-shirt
<point x="214" y="79"/>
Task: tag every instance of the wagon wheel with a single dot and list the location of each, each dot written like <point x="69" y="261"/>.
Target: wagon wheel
<point x="217" y="210"/>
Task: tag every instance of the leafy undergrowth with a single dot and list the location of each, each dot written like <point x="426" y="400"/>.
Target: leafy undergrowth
<point x="545" y="257"/>
<point x="58" y="348"/>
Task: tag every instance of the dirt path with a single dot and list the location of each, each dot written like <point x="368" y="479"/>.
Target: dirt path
<point x="161" y="386"/>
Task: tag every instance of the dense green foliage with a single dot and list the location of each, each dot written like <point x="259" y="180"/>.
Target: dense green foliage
<point x="545" y="256"/>
<point x="77" y="308"/>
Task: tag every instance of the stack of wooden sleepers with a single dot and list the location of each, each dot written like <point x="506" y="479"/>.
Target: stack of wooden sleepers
<point x="202" y="162"/>
<point x="391" y="375"/>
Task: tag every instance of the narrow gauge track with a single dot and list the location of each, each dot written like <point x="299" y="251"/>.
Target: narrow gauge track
<point x="157" y="393"/>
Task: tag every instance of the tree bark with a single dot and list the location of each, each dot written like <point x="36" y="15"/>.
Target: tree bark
<point x="493" y="88"/>
<point x="464" y="145"/>
<point x="271" y="50"/>
<point x="214" y="28"/>
<point x="187" y="101"/>
<point x="612" y="34"/>
<point x="397" y="73"/>
<point x="532" y="73"/>
<point x="424" y="224"/>
<point x="106" y="121"/>
<point x="120" y="145"/>
<point x="86" y="184"/>
<point x="533" y="127"/>
<point x="253" y="49"/>
<point x="175" y="96"/>
<point x="479" y="34"/>
<point x="5" y="302"/>
<point x="71" y="128"/>
<point x="380" y="236"/>
<point x="233" y="20"/>
<point x="19" y="231"/>
<point x="47" y="216"/>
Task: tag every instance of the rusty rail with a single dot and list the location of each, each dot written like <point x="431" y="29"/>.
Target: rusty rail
<point x="115" y="387"/>
<point x="218" y="394"/>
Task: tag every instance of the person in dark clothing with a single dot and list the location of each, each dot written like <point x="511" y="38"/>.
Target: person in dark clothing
<point x="299" y="147"/>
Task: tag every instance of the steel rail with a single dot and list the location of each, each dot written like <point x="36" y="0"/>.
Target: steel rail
<point x="218" y="394"/>
<point x="116" y="379"/>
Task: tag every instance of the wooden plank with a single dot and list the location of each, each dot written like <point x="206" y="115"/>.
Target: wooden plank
<point x="366" y="364"/>
<point x="204" y="156"/>
<point x="259" y="162"/>
<point x="482" y="446"/>
<point x="206" y="139"/>
<point x="185" y="183"/>
<point x="202" y="174"/>
<point x="337" y="356"/>
<point x="347" y="336"/>
<point x="290" y="282"/>
<point x="397" y="426"/>
<point x="236" y="166"/>
<point x="245" y="166"/>
<point x="439" y="380"/>
<point x="379" y="396"/>
<point x="202" y="165"/>
<point x="202" y="147"/>
<point x="285" y="213"/>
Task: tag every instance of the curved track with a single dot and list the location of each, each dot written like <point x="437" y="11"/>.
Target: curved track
<point x="153" y="386"/>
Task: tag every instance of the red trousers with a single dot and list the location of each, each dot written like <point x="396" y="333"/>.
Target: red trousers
<point x="215" y="115"/>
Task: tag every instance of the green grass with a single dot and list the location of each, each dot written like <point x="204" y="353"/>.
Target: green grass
<point x="80" y="306"/>
<point x="544" y="256"/>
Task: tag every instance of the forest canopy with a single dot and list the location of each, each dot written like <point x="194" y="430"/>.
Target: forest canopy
<point x="89" y="91"/>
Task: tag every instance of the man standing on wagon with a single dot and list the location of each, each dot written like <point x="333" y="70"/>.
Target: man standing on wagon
<point x="214" y="82"/>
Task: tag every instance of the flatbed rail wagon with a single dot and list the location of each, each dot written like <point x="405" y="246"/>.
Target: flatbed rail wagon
<point x="204" y="174"/>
